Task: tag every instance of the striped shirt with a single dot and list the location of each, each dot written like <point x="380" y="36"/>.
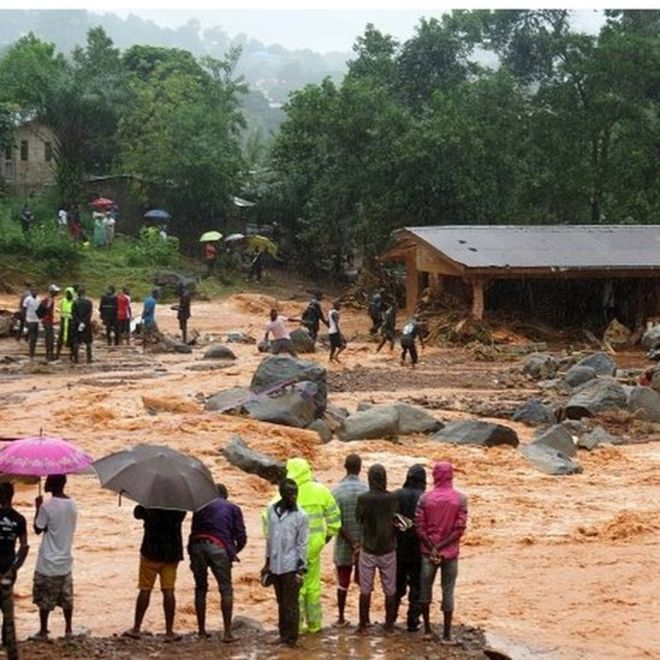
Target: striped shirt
<point x="346" y="493"/>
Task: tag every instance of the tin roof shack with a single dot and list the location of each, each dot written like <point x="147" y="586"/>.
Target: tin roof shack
<point x="558" y="273"/>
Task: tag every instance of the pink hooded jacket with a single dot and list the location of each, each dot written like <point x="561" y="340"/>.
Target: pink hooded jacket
<point x="441" y="512"/>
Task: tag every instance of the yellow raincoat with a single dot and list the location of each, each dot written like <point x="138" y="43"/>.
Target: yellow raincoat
<point x="324" y="521"/>
<point x="66" y="307"/>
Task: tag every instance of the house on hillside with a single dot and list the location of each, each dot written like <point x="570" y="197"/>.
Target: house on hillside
<point x="28" y="166"/>
<point x="558" y="273"/>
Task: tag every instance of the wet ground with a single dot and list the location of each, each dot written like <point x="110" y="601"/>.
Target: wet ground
<point x="552" y="567"/>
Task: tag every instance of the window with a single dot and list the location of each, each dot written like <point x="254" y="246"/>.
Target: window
<point x="24" y="149"/>
<point x="48" y="151"/>
<point x="8" y="153"/>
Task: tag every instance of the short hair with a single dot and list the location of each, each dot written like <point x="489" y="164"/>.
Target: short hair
<point x="287" y="483"/>
<point x="56" y="481"/>
<point x="222" y="491"/>
<point x="6" y="492"/>
<point x="353" y="464"/>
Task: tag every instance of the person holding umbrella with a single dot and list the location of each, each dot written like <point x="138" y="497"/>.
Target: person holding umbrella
<point x="53" y="580"/>
<point x="12" y="528"/>
<point x="160" y="553"/>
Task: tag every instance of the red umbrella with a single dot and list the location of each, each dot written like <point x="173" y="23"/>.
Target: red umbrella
<point x="102" y="202"/>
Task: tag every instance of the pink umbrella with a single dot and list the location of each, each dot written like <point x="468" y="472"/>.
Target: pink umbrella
<point x="40" y="456"/>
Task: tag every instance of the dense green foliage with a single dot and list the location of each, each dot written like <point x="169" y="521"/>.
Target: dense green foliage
<point x="565" y="130"/>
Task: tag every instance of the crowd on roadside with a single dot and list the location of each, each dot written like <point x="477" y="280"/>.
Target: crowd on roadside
<point x="406" y="536"/>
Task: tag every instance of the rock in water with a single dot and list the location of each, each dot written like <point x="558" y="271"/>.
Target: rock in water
<point x="294" y="406"/>
<point x="277" y="369"/>
<point x="230" y="401"/>
<point x="550" y="460"/>
<point x="534" y="413"/>
<point x="644" y="403"/>
<point x="602" y="363"/>
<point x="540" y="366"/>
<point x="559" y="438"/>
<point x="219" y="352"/>
<point x="596" y="396"/>
<point x="376" y="422"/>
<point x="416" y="420"/>
<point x="578" y="375"/>
<point x="598" y="436"/>
<point x="477" y="432"/>
<point x="302" y="341"/>
<point x="248" y="460"/>
<point x="323" y="430"/>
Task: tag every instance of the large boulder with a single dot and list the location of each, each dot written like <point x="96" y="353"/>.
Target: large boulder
<point x="651" y="338"/>
<point x="534" y="413"/>
<point x="219" y="352"/>
<point x="578" y="375"/>
<point x="540" y="366"/>
<point x="294" y="406"/>
<point x="559" y="438"/>
<point x="601" y="362"/>
<point x="550" y="460"/>
<point x="644" y="403"/>
<point x="616" y="334"/>
<point x="228" y="401"/>
<point x="477" y="432"/>
<point x="277" y="369"/>
<point x="376" y="422"/>
<point x="254" y="462"/>
<point x="166" y="344"/>
<point x="596" y="396"/>
<point x="239" y="337"/>
<point x="302" y="341"/>
<point x="597" y="436"/>
<point x="321" y="427"/>
<point x="416" y="420"/>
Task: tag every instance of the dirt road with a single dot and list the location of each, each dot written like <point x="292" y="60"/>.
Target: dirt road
<point x="552" y="567"/>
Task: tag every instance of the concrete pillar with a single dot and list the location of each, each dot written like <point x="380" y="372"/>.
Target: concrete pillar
<point x="412" y="286"/>
<point x="478" y="302"/>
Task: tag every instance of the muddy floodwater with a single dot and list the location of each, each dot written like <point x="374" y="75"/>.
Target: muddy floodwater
<point x="551" y="567"/>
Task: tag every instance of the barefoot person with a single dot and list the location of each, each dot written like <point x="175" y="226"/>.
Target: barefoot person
<point x="375" y="513"/>
<point x="53" y="581"/>
<point x="349" y="539"/>
<point x="216" y="537"/>
<point x="12" y="528"/>
<point x="160" y="553"/>
<point x="440" y="520"/>
<point x="287" y="531"/>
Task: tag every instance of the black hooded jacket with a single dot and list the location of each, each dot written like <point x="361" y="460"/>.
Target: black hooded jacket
<point x="407" y="497"/>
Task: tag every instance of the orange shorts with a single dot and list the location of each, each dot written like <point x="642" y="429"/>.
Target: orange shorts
<point x="150" y="569"/>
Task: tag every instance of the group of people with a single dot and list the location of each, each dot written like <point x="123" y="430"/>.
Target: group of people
<point x="407" y="536"/>
<point x="104" y="228"/>
<point x="68" y="219"/>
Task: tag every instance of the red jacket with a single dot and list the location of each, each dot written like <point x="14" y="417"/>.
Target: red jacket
<point x="441" y="512"/>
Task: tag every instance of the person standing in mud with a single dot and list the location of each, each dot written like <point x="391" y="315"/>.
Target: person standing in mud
<point x="286" y="528"/>
<point x="375" y="514"/>
<point x="337" y="341"/>
<point x="440" y="520"/>
<point x="313" y="316"/>
<point x="183" y="311"/>
<point x="409" y="336"/>
<point x="53" y="580"/>
<point x="376" y="309"/>
<point x="108" y="313"/>
<point x="149" y="327"/>
<point x="408" y="554"/>
<point x="160" y="554"/>
<point x="48" y="321"/>
<point x="217" y="536"/>
<point x="124" y="315"/>
<point x="349" y="539"/>
<point x="13" y="527"/>
<point x="21" y="314"/>
<point x="81" y="318"/>
<point x="65" y="336"/>
<point x="388" y="328"/>
<point x="31" y="306"/>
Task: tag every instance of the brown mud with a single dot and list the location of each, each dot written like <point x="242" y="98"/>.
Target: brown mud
<point x="568" y="566"/>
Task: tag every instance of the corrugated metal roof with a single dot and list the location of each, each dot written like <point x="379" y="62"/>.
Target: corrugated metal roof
<point x="546" y="246"/>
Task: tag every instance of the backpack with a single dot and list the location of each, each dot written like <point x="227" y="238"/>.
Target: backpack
<point x="42" y="309"/>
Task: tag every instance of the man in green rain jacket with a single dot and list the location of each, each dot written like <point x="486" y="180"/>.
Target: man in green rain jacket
<point x="65" y="336"/>
<point x="324" y="522"/>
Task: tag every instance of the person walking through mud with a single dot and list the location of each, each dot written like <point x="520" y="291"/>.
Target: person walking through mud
<point x="408" y="553"/>
<point x="13" y="527"/>
<point x="286" y="527"/>
<point x="440" y="520"/>
<point x="108" y="311"/>
<point x="376" y="309"/>
<point x="388" y="328"/>
<point x="53" y="579"/>
<point x="281" y="337"/>
<point x="313" y="316"/>
<point x="81" y="317"/>
<point x="160" y="554"/>
<point x="337" y="341"/>
<point x="375" y="514"/>
<point x="183" y="310"/>
<point x="411" y="332"/>
<point x="349" y="539"/>
<point x="124" y="315"/>
<point x="216" y="537"/>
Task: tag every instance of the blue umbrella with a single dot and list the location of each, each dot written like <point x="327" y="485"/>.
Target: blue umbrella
<point x="157" y="214"/>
